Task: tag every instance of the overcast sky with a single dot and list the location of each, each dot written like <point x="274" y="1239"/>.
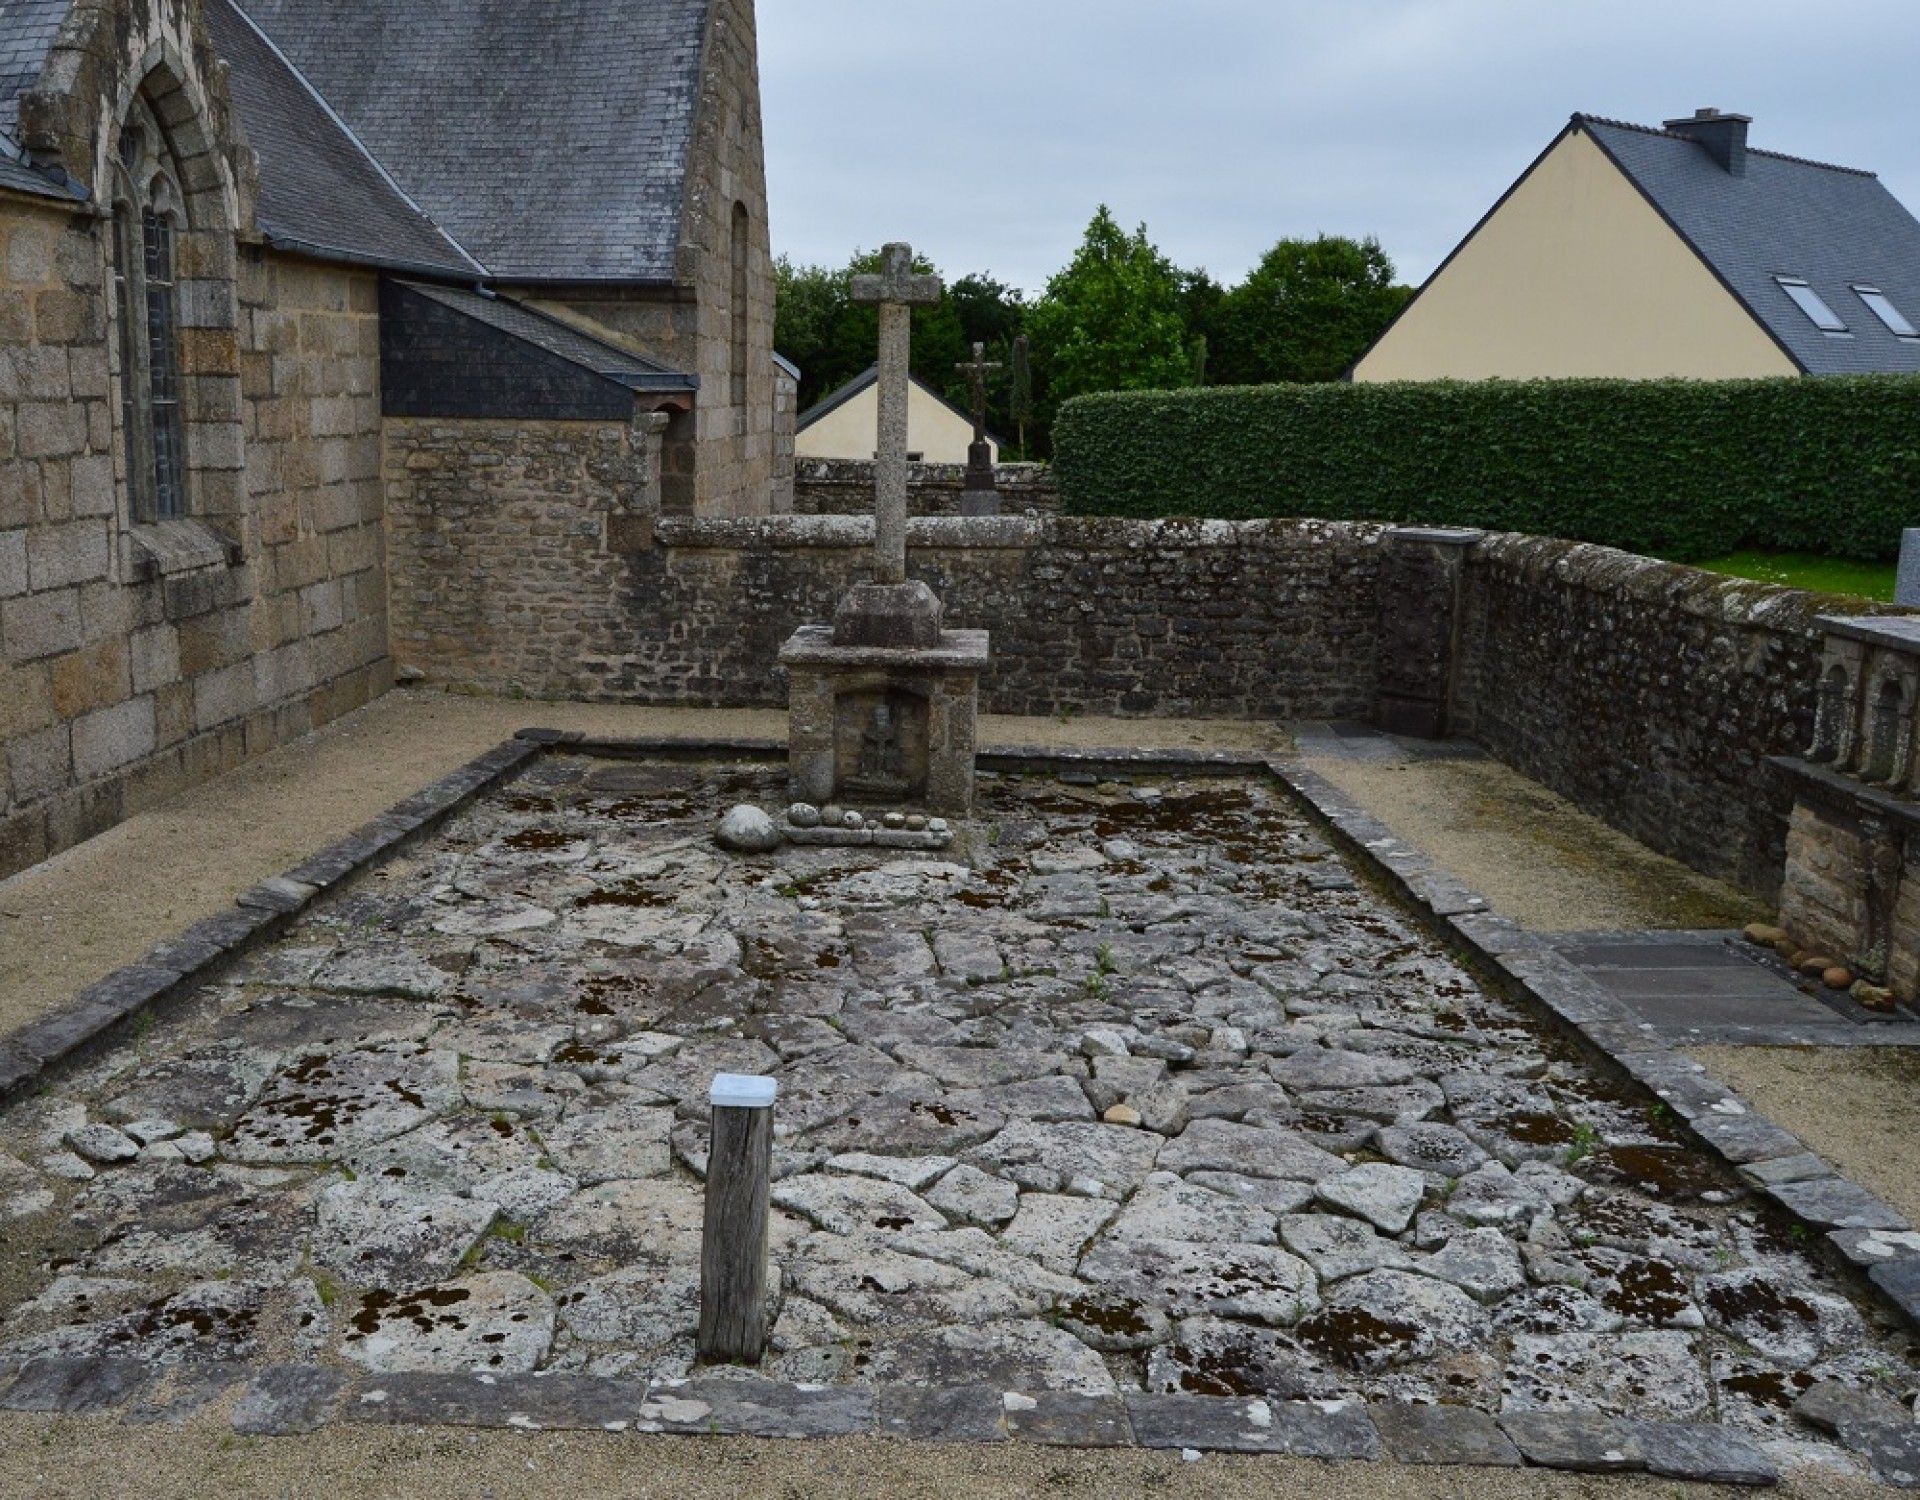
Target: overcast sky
<point x="986" y="132"/>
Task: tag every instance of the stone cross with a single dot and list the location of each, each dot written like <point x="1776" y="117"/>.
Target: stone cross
<point x="896" y="291"/>
<point x="977" y="374"/>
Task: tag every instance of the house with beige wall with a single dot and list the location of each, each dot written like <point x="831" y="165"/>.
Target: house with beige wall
<point x="846" y="424"/>
<point x="1639" y="253"/>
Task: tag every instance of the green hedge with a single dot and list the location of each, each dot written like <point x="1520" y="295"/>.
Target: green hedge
<point x="1672" y="468"/>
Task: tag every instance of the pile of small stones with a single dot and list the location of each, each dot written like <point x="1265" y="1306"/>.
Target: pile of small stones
<point x="1133" y="1088"/>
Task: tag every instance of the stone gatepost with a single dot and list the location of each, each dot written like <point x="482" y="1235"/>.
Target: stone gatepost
<point x="1422" y="575"/>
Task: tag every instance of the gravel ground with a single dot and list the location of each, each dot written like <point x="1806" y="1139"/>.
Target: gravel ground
<point x="1538" y="859"/>
<point x="68" y="1458"/>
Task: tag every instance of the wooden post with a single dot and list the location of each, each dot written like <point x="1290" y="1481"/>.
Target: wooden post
<point x="733" y="1246"/>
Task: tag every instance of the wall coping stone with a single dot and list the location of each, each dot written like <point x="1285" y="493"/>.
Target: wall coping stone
<point x="1900" y="632"/>
<point x="1003" y="532"/>
<point x="1711" y="596"/>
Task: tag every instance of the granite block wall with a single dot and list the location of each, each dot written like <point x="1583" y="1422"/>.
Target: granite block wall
<point x="137" y="659"/>
<point x="508" y="543"/>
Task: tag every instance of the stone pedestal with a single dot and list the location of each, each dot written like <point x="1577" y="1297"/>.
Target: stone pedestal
<point x="884" y="725"/>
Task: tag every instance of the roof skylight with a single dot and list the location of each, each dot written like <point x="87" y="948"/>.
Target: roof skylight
<point x="1812" y="304"/>
<point x="1886" y="312"/>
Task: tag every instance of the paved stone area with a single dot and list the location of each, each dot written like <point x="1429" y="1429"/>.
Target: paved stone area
<point x="1137" y="1112"/>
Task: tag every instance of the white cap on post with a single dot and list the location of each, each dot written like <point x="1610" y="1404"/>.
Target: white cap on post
<point x="742" y="1091"/>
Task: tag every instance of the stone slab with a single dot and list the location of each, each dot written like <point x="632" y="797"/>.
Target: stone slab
<point x="1705" y="1454"/>
<point x="70" y="1384"/>
<point x="285" y="1399"/>
<point x="525" y="1401"/>
<point x="952" y="1414"/>
<point x="1583" y="1441"/>
<point x="1442" y="1435"/>
<point x="1056" y="1420"/>
<point x="1211" y="1424"/>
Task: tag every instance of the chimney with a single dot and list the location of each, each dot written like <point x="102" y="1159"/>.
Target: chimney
<point x="1724" y="136"/>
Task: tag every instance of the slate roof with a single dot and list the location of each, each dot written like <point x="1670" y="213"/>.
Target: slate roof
<point x="320" y="192"/>
<point x="27" y="30"/>
<point x="549" y="139"/>
<point x="1834" y="226"/>
<point x="557" y="338"/>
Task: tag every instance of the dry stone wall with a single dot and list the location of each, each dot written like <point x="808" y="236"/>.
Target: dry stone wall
<point x="1648" y="693"/>
<point x="528" y="588"/>
<point x="844" y="487"/>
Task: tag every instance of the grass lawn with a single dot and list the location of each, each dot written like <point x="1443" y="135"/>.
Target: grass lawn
<point x="1808" y="570"/>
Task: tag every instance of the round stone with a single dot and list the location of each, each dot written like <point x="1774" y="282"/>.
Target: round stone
<point x="896" y="820"/>
<point x="916" y="823"/>
<point x="936" y="825"/>
<point x="804" y="815"/>
<point x="853" y="820"/>
<point x="747" y="830"/>
<point x="831" y="814"/>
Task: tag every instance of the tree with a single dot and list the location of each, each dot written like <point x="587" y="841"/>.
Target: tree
<point x="807" y="303"/>
<point x="1201" y="301"/>
<point x="1306" y="312"/>
<point x="1111" y="320"/>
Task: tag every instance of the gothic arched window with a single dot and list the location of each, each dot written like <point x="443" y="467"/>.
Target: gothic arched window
<point x="148" y="215"/>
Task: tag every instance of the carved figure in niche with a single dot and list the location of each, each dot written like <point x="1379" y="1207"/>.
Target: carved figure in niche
<point x="880" y="756"/>
<point x="880" y="745"/>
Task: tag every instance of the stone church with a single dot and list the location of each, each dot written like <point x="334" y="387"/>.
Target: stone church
<point x="335" y="337"/>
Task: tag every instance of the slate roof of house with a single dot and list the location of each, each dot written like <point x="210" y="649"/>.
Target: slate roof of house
<point x="550" y="140"/>
<point x="1834" y="226"/>
<point x="320" y="191"/>
<point x="557" y="338"/>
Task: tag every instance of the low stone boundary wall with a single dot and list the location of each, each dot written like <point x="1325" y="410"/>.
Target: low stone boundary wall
<point x="1260" y="620"/>
<point x="844" y="487"/>
<point x="1647" y="693"/>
